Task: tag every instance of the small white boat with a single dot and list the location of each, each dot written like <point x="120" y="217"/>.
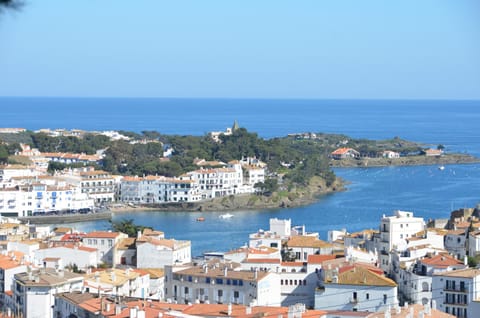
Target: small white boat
<point x="226" y="216"/>
<point x="441" y="168"/>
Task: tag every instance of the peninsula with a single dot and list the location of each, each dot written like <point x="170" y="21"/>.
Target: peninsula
<point x="63" y="172"/>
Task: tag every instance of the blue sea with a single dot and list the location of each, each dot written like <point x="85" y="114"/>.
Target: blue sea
<point x="372" y="192"/>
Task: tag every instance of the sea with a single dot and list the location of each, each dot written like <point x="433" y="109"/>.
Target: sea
<point x="427" y="191"/>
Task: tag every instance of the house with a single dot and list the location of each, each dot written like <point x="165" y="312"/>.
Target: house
<point x="118" y="282"/>
<point x="415" y="281"/>
<point x="394" y="231"/>
<point x="344" y="153"/>
<point x="126" y="252"/>
<point x="9" y="266"/>
<point x="34" y="290"/>
<point x="221" y="283"/>
<point x="155" y="252"/>
<point x="456" y="291"/>
<point x="390" y="154"/>
<point x="358" y="289"/>
<point x="410" y="311"/>
<point x="71" y="255"/>
<point x="300" y="247"/>
<point x="106" y="244"/>
<point x="433" y="152"/>
<point x="456" y="242"/>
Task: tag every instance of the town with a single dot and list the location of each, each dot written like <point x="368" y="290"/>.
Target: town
<point x="406" y="268"/>
<point x="409" y="267"/>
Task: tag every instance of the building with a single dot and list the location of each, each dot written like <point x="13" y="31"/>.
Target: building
<point x="219" y="282"/>
<point x="300" y="247"/>
<point x="394" y="231"/>
<point x="415" y="281"/>
<point x="34" y="290"/>
<point x="344" y="153"/>
<point x="390" y="154"/>
<point x="455" y="291"/>
<point x="10" y="265"/>
<point x="106" y="244"/>
<point x="118" y="282"/>
<point x="71" y="255"/>
<point x="456" y="242"/>
<point x="356" y="288"/>
<point x="155" y="252"/>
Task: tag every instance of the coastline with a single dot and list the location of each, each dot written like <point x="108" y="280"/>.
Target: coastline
<point x="447" y="159"/>
<point x="277" y="200"/>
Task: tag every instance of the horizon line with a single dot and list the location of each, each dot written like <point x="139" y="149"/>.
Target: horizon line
<point x="248" y="98"/>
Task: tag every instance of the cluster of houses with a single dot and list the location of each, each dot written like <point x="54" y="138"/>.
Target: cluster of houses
<point x="403" y="269"/>
<point x="350" y="153"/>
<point x="29" y="191"/>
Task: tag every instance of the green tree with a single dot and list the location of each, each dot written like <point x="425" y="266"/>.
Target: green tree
<point x="3" y="154"/>
<point x="128" y="227"/>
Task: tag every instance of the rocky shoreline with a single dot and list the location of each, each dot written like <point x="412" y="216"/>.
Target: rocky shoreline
<point x="299" y="196"/>
<point x="282" y="199"/>
<point x="406" y="161"/>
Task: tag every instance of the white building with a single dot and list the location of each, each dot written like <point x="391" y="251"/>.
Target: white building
<point x="390" y="154"/>
<point x="81" y="256"/>
<point x="455" y="291"/>
<point x="356" y="289"/>
<point x="415" y="281"/>
<point x="474" y="243"/>
<point x="9" y="266"/>
<point x="105" y="243"/>
<point x="34" y="290"/>
<point x="221" y="283"/>
<point x="159" y="189"/>
<point x="300" y="247"/>
<point x="456" y="242"/>
<point x="158" y="252"/>
<point x="38" y="199"/>
<point x="119" y="282"/>
<point x="394" y="230"/>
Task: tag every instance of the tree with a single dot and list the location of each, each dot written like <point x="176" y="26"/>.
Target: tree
<point x="3" y="154"/>
<point x="128" y="227"/>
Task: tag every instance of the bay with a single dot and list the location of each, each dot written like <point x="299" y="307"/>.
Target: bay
<point x="372" y="192"/>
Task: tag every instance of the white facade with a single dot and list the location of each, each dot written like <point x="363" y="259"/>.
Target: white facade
<point x="454" y="291"/>
<point x="455" y="243"/>
<point x="34" y="291"/>
<point x="394" y="231"/>
<point x="357" y="289"/>
<point x="81" y="256"/>
<point x="118" y="282"/>
<point x="39" y="199"/>
<point x="105" y="243"/>
<point x="218" y="283"/>
<point x="159" y="189"/>
<point x="155" y="253"/>
<point x="474" y="243"/>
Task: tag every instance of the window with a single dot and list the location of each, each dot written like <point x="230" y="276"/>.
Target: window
<point x="236" y="294"/>
<point x="219" y="281"/>
<point x="367" y="296"/>
<point x="110" y="243"/>
<point x="186" y="290"/>
<point x="384" y="299"/>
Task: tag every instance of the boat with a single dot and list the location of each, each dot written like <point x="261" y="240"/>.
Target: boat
<point x="226" y="216"/>
<point x="441" y="168"/>
<point x="200" y="219"/>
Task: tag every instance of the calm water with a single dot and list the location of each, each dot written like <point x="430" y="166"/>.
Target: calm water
<point x="425" y="190"/>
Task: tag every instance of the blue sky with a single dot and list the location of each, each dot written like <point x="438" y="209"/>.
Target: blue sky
<point x="378" y="49"/>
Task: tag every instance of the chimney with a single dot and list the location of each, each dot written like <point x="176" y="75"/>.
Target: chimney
<point x="248" y="310"/>
<point x="226" y="271"/>
<point x="133" y="312"/>
<point x="229" y="309"/>
<point x="465" y="260"/>
<point x="118" y="309"/>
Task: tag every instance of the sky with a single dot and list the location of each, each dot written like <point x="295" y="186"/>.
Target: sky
<point x="345" y="49"/>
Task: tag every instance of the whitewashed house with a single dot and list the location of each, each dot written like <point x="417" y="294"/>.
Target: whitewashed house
<point x="219" y="282"/>
<point x="82" y="256"/>
<point x="456" y="242"/>
<point x="356" y="289"/>
<point x="394" y="231"/>
<point x="457" y="291"/>
<point x="9" y="266"/>
<point x="34" y="290"/>
<point x="105" y="243"/>
<point x="415" y="281"/>
<point x="118" y="282"/>
<point x="158" y="252"/>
